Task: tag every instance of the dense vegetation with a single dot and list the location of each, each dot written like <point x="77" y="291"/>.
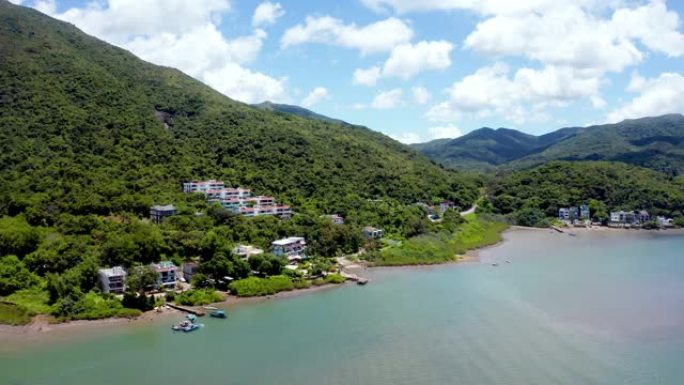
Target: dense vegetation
<point x="446" y="246"/>
<point x="533" y="195"/>
<point x="91" y="137"/>
<point x="656" y="143"/>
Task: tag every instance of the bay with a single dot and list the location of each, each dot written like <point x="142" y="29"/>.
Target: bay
<point x="602" y="307"/>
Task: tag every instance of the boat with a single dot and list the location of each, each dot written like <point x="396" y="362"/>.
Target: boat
<point x="185" y="326"/>
<point x="218" y="314"/>
<point x="191" y="317"/>
<point x="210" y="307"/>
<point x="495" y="264"/>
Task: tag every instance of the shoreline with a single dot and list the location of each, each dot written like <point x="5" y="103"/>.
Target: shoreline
<point x="40" y="328"/>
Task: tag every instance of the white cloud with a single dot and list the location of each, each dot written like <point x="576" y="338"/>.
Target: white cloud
<point x="421" y="95"/>
<point x="445" y="132"/>
<point x="367" y="77"/>
<point x="654" y="25"/>
<point x="657" y="96"/>
<point x="407" y="60"/>
<point x="407" y="137"/>
<point x="380" y="36"/>
<point x="267" y="13"/>
<point x="388" y="99"/>
<point x="317" y="95"/>
<point x="17" y="2"/>
<point x="492" y="90"/>
<point x="192" y="43"/>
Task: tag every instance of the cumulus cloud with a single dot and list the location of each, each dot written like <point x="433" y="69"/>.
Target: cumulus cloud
<point x="380" y="36"/>
<point x="432" y="133"/>
<point x="492" y="90"/>
<point x="407" y="60"/>
<point x="421" y="95"/>
<point x="445" y="132"/>
<point x="367" y="77"/>
<point x="316" y="95"/>
<point x="267" y="13"/>
<point x="656" y="96"/>
<point x="388" y="99"/>
<point x="192" y="43"/>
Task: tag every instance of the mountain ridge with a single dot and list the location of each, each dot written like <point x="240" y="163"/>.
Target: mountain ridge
<point x="652" y="142"/>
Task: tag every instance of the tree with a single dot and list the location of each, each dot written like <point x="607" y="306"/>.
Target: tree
<point x="14" y="275"/>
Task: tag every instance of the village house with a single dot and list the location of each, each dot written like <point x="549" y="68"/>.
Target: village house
<point x="293" y="248"/>
<point x="445" y="205"/>
<point x="570" y="214"/>
<point x="584" y="212"/>
<point x="373" y="233"/>
<point x="336" y="219"/>
<point x="158" y="213"/>
<point x="664" y="222"/>
<point x="564" y="214"/>
<point x="189" y="269"/>
<point x="246" y="251"/>
<point x="113" y="280"/>
<point x="166" y="274"/>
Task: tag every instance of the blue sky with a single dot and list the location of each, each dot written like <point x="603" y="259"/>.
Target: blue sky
<point x="424" y="69"/>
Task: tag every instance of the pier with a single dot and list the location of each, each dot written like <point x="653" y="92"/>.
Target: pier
<point x="197" y="312"/>
<point x="355" y="278"/>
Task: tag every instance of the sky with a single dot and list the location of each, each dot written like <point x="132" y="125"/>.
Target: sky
<point x="414" y="70"/>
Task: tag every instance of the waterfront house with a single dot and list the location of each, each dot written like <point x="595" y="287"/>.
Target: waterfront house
<point x="664" y="222"/>
<point x="642" y="216"/>
<point x="584" y="212"/>
<point x="247" y="251"/>
<point x="564" y="213"/>
<point x="158" y="213"/>
<point x="373" y="233"/>
<point x="166" y="274"/>
<point x="113" y="280"/>
<point x="189" y="269"/>
<point x="623" y="217"/>
<point x="293" y="248"/>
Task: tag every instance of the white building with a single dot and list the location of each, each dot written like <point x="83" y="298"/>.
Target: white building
<point x="246" y="251"/>
<point x="293" y="248"/>
<point x="372" y="232"/>
<point x="445" y="205"/>
<point x="157" y="212"/>
<point x="202" y="186"/>
<point x="166" y="274"/>
<point x="113" y="280"/>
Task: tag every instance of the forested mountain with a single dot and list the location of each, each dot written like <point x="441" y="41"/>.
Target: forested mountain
<point x="654" y="142"/>
<point x="91" y="137"/>
<point x="76" y="112"/>
<point x="299" y="111"/>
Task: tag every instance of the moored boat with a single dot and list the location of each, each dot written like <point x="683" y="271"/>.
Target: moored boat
<point x="185" y="326"/>
<point x="218" y="314"/>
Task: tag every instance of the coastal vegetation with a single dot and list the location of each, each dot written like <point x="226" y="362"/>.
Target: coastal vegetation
<point x="199" y="297"/>
<point x="532" y="196"/>
<point x="476" y="231"/>
<point x="254" y="286"/>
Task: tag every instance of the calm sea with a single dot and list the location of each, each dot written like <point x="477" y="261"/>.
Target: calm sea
<point x="598" y="308"/>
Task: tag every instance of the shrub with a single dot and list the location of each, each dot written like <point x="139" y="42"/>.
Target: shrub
<point x="253" y="286"/>
<point x="335" y="279"/>
<point x="199" y="297"/>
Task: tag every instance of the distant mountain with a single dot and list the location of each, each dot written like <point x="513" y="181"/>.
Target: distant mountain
<point x="486" y="148"/>
<point x="299" y="111"/>
<point x="654" y="142"/>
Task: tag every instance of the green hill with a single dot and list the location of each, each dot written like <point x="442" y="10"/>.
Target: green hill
<point x="298" y="111"/>
<point x="656" y="143"/>
<point x="77" y="112"/>
<point x="91" y="137"/>
<point x="539" y="192"/>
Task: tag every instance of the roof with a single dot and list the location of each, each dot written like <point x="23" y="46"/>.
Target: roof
<point x="163" y="208"/>
<point x="370" y="228"/>
<point x="287" y="241"/>
<point x="115" y="271"/>
<point x="164" y="266"/>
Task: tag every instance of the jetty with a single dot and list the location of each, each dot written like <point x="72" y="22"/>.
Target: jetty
<point x="197" y="312"/>
<point x="355" y="278"/>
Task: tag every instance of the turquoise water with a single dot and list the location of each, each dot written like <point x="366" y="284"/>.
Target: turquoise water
<point x="599" y="308"/>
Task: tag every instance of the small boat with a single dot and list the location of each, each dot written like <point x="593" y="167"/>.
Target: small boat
<point x="508" y="261"/>
<point x="186" y="326"/>
<point x="218" y="314"/>
<point x="191" y="317"/>
<point x="495" y="264"/>
<point x="210" y="307"/>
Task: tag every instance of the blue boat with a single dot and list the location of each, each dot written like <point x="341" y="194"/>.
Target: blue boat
<point x="218" y="314"/>
<point x="191" y="317"/>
